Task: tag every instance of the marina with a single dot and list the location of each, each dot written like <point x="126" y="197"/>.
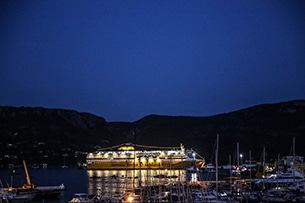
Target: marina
<point x="184" y="185"/>
<point x="170" y="182"/>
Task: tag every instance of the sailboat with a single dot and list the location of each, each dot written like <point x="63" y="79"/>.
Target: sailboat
<point x="20" y="194"/>
<point x="289" y="177"/>
<point x="32" y="190"/>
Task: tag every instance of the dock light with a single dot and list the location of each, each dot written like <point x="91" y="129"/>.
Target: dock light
<point x="130" y="199"/>
<point x="241" y="159"/>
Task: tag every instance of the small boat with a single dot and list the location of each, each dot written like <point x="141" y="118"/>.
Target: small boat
<point x="14" y="196"/>
<point x="116" y="198"/>
<point x="50" y="191"/>
<point x="41" y="191"/>
<point x="210" y="166"/>
<point x="64" y="166"/>
<point x="282" y="178"/>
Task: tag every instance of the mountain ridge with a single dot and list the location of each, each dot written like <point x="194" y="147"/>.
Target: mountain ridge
<point x="46" y="135"/>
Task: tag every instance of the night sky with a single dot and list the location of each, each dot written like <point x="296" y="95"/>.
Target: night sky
<point x="125" y="59"/>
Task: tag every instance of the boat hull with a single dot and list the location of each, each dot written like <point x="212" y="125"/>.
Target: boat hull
<point x="50" y="191"/>
<point x="127" y="157"/>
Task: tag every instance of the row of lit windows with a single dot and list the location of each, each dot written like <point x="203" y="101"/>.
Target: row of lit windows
<point x="131" y="164"/>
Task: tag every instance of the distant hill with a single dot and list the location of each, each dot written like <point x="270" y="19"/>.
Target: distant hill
<point x="42" y="135"/>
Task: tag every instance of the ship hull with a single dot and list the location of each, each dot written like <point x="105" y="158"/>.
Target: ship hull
<point x="126" y="157"/>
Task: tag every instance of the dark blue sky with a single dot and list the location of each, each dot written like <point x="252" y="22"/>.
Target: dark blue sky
<point x="123" y="60"/>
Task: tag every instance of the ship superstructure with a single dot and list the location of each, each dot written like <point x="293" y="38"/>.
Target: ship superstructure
<point x="133" y="156"/>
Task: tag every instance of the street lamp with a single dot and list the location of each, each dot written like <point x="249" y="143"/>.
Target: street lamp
<point x="241" y="159"/>
<point x="194" y="155"/>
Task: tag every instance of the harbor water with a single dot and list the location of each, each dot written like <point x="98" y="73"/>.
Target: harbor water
<point x="102" y="182"/>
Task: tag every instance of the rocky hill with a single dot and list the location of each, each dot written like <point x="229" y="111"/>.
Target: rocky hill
<point x="55" y="136"/>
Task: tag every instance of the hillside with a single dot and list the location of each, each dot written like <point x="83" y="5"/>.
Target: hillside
<point x="48" y="135"/>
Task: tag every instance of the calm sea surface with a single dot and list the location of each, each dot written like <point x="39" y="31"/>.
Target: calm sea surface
<point x="75" y="180"/>
<point x="103" y="182"/>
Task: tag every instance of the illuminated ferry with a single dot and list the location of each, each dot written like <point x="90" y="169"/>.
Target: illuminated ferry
<point x="133" y="156"/>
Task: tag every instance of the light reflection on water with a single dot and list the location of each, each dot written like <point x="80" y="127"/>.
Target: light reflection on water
<point x="104" y="182"/>
<point x="108" y="182"/>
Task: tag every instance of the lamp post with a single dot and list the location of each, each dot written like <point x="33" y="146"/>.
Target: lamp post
<point x="194" y="161"/>
<point x="241" y="160"/>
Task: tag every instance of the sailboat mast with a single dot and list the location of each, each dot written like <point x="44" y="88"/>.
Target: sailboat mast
<point x="264" y="160"/>
<point x="237" y="154"/>
<point x="230" y="164"/>
<point x="216" y="160"/>
<point x="26" y="173"/>
<point x="134" y="155"/>
<point x="250" y="163"/>
<point x="293" y="167"/>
